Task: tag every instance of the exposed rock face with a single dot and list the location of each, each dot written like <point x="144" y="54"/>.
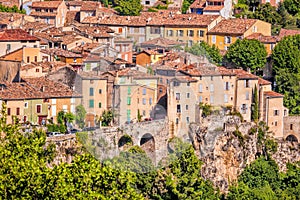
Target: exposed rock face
<point x="226" y="147"/>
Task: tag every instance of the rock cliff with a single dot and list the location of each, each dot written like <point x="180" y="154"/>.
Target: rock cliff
<point x="226" y="146"/>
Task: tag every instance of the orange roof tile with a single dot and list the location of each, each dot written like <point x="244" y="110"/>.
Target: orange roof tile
<point x="235" y="26"/>
<point x="273" y="94"/>
<point x="287" y="32"/>
<point x="242" y="74"/>
<point x="46" y="4"/>
<point x="213" y="8"/>
<point x="43" y="14"/>
<point x="198" y="4"/>
<point x="263" y="82"/>
<point x="16" y="35"/>
<point x="262" y="38"/>
<point x="90" y="6"/>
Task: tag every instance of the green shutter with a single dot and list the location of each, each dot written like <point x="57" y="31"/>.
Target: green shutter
<point x="129" y="90"/>
<point x="128" y="100"/>
<point x="91" y="103"/>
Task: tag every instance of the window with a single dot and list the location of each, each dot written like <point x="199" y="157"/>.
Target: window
<point x="188" y="95"/>
<point x="150" y="101"/>
<point x="211" y="99"/>
<point x="177" y="121"/>
<point x="128" y="115"/>
<point x="177" y="96"/>
<point x="35" y="58"/>
<point x="211" y="87"/>
<point x="225" y="98"/>
<point x="88" y="66"/>
<point x="91" y="91"/>
<point x="180" y="33"/>
<point x="28" y="59"/>
<point x="147" y="2"/>
<point x="144" y="91"/>
<point x="200" y="88"/>
<point x="74" y="60"/>
<point x="24" y="118"/>
<point x="26" y="105"/>
<point x="201" y="33"/>
<point x="160" y="90"/>
<point x="18" y="111"/>
<point x="154" y="30"/>
<point x="187" y="120"/>
<point x="8" y="111"/>
<point x="244" y="109"/>
<point x="144" y="112"/>
<point x="291" y="126"/>
<point x="186" y="107"/>
<point x="188" y="84"/>
<point x="91" y="103"/>
<point x="141" y="39"/>
<point x="247" y="95"/>
<point x="190" y="43"/>
<point x="8" y="47"/>
<point x="38" y="108"/>
<point x="100" y="91"/>
<point x="190" y="33"/>
<point x="128" y="100"/>
<point x="227" y="40"/>
<point x="275" y="123"/>
<point x="276" y="112"/>
<point x="247" y="83"/>
<point x="272" y="46"/>
<point x="129" y="90"/>
<point x="170" y="33"/>
<point x="213" y="39"/>
<point x="211" y="78"/>
<point x="178" y="108"/>
<point x="227" y="86"/>
<point x="144" y="101"/>
<point x="37" y="70"/>
<point x="200" y="99"/>
<point x="254" y="29"/>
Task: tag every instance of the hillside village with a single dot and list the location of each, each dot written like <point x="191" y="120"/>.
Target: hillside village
<point x="63" y="54"/>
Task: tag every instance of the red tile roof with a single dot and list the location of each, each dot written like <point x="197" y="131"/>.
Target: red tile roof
<point x="262" y="38"/>
<point x="16" y="35"/>
<point x="242" y="74"/>
<point x="235" y="26"/>
<point x="273" y="94"/>
<point x="61" y="52"/>
<point x="263" y="82"/>
<point x="161" y="42"/>
<point x="198" y="4"/>
<point x="46" y="4"/>
<point x="213" y="8"/>
<point x="90" y="6"/>
<point x="287" y="32"/>
<point x="43" y="14"/>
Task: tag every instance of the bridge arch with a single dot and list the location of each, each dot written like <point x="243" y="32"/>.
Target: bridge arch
<point x="292" y="138"/>
<point x="147" y="143"/>
<point x="125" y="140"/>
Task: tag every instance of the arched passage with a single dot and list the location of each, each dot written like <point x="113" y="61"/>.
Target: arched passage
<point x="125" y="140"/>
<point x="147" y="143"/>
<point x="291" y="138"/>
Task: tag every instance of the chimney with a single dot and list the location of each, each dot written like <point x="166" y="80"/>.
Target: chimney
<point x="43" y="89"/>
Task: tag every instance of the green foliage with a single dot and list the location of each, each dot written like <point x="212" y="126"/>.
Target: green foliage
<point x="292" y="6"/>
<point x="13" y="9"/>
<point x="206" y="109"/>
<point x="247" y="54"/>
<point x="254" y="113"/>
<point x="185" y="5"/>
<point x="107" y="117"/>
<point x="152" y="10"/>
<point x="286" y="68"/>
<point x="80" y="115"/>
<point x="139" y="116"/>
<point x="212" y="53"/>
<point x="129" y="7"/>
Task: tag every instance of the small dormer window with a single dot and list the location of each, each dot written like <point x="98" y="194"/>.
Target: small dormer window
<point x="254" y="29"/>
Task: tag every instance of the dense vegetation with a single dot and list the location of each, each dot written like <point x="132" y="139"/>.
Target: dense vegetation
<point x="25" y="173"/>
<point x="286" y="68"/>
<point x="13" y="9"/>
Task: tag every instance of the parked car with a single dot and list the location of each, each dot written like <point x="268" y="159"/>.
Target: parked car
<point x="51" y="134"/>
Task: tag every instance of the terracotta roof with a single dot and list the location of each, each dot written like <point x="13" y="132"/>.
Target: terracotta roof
<point x="50" y="66"/>
<point x="46" y="4"/>
<point x="91" y="75"/>
<point x="43" y="14"/>
<point x="90" y="6"/>
<point x="287" y="32"/>
<point x="235" y="26"/>
<point x="185" y="79"/>
<point x="226" y="72"/>
<point x="36" y="26"/>
<point x="149" y="52"/>
<point x="16" y="35"/>
<point x="10" y="3"/>
<point x="61" y="52"/>
<point x="262" y="38"/>
<point x="135" y="74"/>
<point x="161" y="42"/>
<point x="242" y="74"/>
<point x="273" y="94"/>
<point x="198" y="4"/>
<point x="74" y="3"/>
<point x="263" y="82"/>
<point x="7" y="18"/>
<point x="35" y="88"/>
<point x="191" y="20"/>
<point x="213" y="8"/>
<point x="100" y="32"/>
<point x="200" y="70"/>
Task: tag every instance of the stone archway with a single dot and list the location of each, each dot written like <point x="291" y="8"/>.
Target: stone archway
<point x="292" y="138"/>
<point x="125" y="140"/>
<point x="147" y="143"/>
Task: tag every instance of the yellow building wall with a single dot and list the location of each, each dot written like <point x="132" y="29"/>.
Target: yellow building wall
<point x="13" y="105"/>
<point x="185" y="38"/>
<point x="32" y="53"/>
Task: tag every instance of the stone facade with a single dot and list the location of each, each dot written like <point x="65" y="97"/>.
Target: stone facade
<point x="291" y="128"/>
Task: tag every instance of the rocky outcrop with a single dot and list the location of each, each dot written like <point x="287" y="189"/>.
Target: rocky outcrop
<point x="226" y="146"/>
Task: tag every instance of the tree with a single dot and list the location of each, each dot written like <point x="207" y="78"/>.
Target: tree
<point x="254" y="113"/>
<point x="292" y="6"/>
<point x="286" y="69"/>
<point x="247" y="54"/>
<point x="186" y="5"/>
<point x="139" y="116"/>
<point x="80" y="115"/>
<point x="129" y="7"/>
<point x="212" y="53"/>
<point x="106" y="117"/>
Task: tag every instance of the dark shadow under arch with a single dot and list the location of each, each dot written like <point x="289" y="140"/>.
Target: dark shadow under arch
<point x="291" y="138"/>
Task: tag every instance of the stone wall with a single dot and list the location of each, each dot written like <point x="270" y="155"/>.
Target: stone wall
<point x="291" y="126"/>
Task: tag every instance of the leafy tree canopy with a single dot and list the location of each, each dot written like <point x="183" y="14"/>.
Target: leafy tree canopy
<point x="129" y="7"/>
<point x="286" y="68"/>
<point x="247" y="54"/>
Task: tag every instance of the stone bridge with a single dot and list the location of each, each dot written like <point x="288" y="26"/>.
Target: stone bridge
<point x="291" y="128"/>
<point x="151" y="136"/>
